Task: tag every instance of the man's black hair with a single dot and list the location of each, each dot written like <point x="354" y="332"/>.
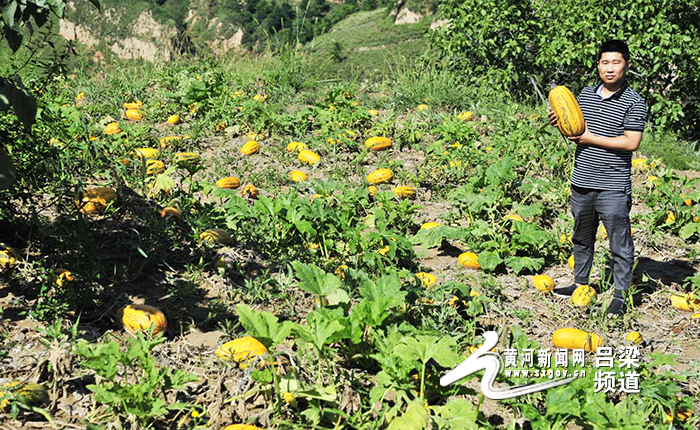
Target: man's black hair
<point x="615" y="46"/>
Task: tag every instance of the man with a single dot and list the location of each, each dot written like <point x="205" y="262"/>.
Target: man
<point x="601" y="189"/>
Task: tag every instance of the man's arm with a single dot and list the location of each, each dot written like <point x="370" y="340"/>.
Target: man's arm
<point x="629" y="142"/>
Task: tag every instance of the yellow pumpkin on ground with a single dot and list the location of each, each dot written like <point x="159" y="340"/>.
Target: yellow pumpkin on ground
<point x="216" y="235"/>
<point x="228" y="182"/>
<point x="429" y="225"/>
<point x="297" y="176"/>
<point x="405" y="192"/>
<point x="250" y="191"/>
<point x="685" y="302"/>
<point x="146" y="153"/>
<point x="242" y="426"/>
<point x="296" y="147"/>
<point x="428" y="279"/>
<point x="250" y="148"/>
<point x="170" y="211"/>
<point x="8" y="257"/>
<point x="186" y="158"/>
<point x="174" y="119"/>
<point x="377" y="143"/>
<point x="95" y="200"/>
<point x="380" y="176"/>
<point x="582" y="295"/>
<point x="136" y="318"/>
<point x="543" y="283"/>
<point x="241" y="350"/>
<point x="133" y="115"/>
<point x="112" y="128"/>
<point x="634" y="337"/>
<point x="169" y="140"/>
<point x="573" y="338"/>
<point x="570" y="262"/>
<point x="308" y="157"/>
<point x="154" y="167"/>
<point x="133" y="105"/>
<point x="32" y="393"/>
<point x="469" y="259"/>
<point x="62" y="277"/>
<point x="372" y="190"/>
<point x="465" y="116"/>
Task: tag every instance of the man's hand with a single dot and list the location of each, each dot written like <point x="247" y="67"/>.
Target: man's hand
<point x="552" y="117"/>
<point x="584" y="139"/>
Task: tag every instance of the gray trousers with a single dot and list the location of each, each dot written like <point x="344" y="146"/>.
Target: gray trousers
<point x="613" y="208"/>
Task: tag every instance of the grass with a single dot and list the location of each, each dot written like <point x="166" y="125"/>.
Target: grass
<point x="371" y="42"/>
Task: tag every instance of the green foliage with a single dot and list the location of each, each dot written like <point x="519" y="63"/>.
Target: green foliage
<point x="133" y="385"/>
<point x="506" y="41"/>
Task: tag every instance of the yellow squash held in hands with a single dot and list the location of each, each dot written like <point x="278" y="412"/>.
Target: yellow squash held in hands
<point x="569" y="115"/>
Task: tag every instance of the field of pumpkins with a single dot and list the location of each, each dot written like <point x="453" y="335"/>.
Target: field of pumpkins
<point x="209" y="246"/>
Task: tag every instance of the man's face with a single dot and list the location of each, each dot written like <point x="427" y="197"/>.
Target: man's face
<point x="612" y="67"/>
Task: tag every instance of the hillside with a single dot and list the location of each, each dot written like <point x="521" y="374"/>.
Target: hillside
<point x="155" y="31"/>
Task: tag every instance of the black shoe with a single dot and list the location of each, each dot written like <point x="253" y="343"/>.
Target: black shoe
<point x="565" y="292"/>
<point x="617" y="307"/>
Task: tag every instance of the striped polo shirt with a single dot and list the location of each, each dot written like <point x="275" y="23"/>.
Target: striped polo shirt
<point x="603" y="168"/>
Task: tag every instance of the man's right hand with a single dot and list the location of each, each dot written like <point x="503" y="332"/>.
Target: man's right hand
<point x="552" y="117"/>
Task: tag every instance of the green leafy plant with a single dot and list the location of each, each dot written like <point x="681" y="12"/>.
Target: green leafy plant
<point x="133" y="387"/>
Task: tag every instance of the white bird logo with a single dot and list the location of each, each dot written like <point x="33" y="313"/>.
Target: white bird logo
<point x="482" y="359"/>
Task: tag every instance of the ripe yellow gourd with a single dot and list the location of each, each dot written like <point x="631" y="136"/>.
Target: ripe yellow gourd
<point x="573" y="338"/>
<point x="308" y="157"/>
<point x="569" y="115"/>
<point x="570" y="262"/>
<point x="296" y="147"/>
<point x="241" y="427"/>
<point x="228" y="182"/>
<point x="582" y="295"/>
<point x="297" y="176"/>
<point x="133" y="115"/>
<point x="465" y="116"/>
<point x="216" y="235"/>
<point x="170" y="211"/>
<point x="174" y="119"/>
<point x="136" y="318"/>
<point x="428" y="279"/>
<point x="469" y="259"/>
<point x="112" y="128"/>
<point x="685" y="302"/>
<point x="186" y="158"/>
<point x="154" y="167"/>
<point x="146" y="153"/>
<point x="429" y="225"/>
<point x="32" y="393"/>
<point x="8" y="257"/>
<point x="250" y="191"/>
<point x="251" y="147"/>
<point x="241" y="350"/>
<point x="133" y="105"/>
<point x="95" y="200"/>
<point x="377" y="143"/>
<point x="634" y="337"/>
<point x="405" y="192"/>
<point x="543" y="283"/>
<point x="169" y="140"/>
<point x="380" y="176"/>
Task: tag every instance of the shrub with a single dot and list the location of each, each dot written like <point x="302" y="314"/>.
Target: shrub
<point x="506" y="41"/>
